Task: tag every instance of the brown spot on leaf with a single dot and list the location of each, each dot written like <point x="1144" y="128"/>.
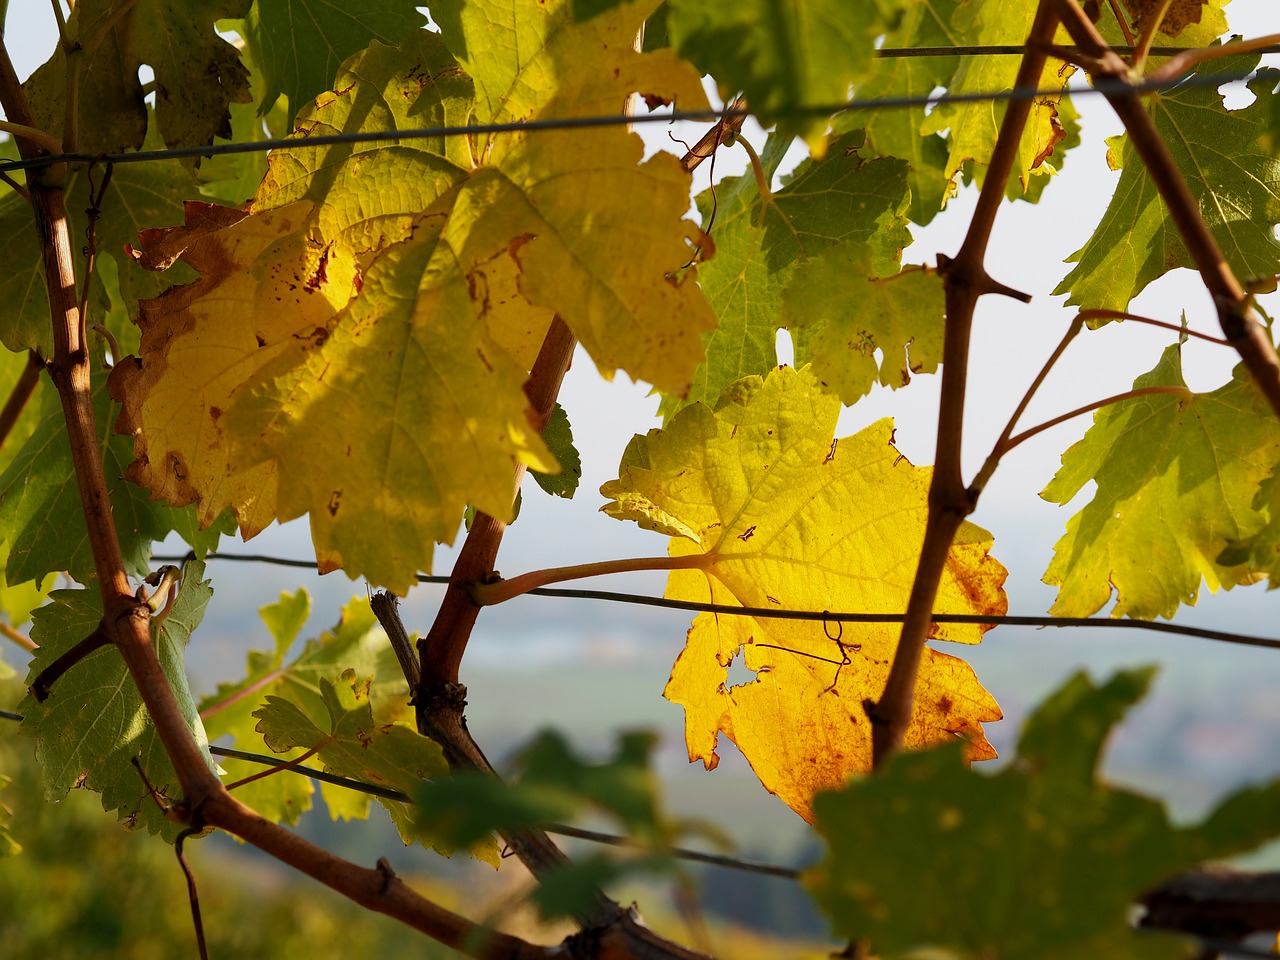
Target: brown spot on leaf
<point x="747" y="534"/>
<point x="335" y="499"/>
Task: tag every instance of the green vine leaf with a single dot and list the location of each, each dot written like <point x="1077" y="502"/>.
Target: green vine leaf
<point x="93" y="724"/>
<point x="755" y="492"/>
<point x="929" y="852"/>
<point x="301" y="44"/>
<point x="973" y="127"/>
<point x="786" y="57"/>
<point x="897" y="131"/>
<point x="558" y="436"/>
<point x="1232" y="177"/>
<point x="554" y="785"/>
<point x="351" y="743"/>
<point x="760" y="241"/>
<point x="41" y="516"/>
<point x="9" y="847"/>
<point x="843" y="315"/>
<point x="1176" y="478"/>
<point x="356" y="643"/>
<point x="198" y="74"/>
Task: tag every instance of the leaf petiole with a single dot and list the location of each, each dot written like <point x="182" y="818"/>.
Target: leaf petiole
<point x="499" y="591"/>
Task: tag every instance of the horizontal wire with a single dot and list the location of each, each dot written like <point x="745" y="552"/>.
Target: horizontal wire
<point x="1104" y="86"/>
<point x="823" y="616"/>
<point x="1015" y="49"/>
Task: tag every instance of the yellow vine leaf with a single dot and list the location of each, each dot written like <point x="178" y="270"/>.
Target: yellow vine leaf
<point x="761" y="490"/>
<point x="358" y="342"/>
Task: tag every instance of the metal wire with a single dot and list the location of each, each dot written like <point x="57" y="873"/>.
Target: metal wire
<point x="1102" y="86"/>
<point x="826" y="616"/>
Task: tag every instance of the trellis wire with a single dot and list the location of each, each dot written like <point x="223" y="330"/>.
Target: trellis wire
<point x="823" y="616"/>
<point x="1102" y="86"/>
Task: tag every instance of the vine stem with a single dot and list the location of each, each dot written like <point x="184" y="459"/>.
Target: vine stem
<point x="1088" y="407"/>
<point x="32" y="134"/>
<point x="18" y="637"/>
<point x="993" y="459"/>
<point x="1099" y="314"/>
<point x="1236" y="315"/>
<point x="20" y="395"/>
<point x="499" y="591"/>
<point x="950" y="501"/>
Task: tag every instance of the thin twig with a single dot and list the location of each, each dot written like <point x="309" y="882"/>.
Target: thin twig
<point x="1171" y="70"/>
<point x="1099" y="314"/>
<point x="193" y="895"/>
<point x="1088" y="407"/>
<point x="382" y="602"/>
<point x="993" y="459"/>
<point x="286" y="765"/>
<point x="42" y="685"/>
<point x="20" y="394"/>
<point x="18" y="637"/>
<point x="490" y="592"/>
<point x="1154" y="22"/>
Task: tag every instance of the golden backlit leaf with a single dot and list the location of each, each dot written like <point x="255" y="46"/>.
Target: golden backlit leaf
<point x="761" y="492"/>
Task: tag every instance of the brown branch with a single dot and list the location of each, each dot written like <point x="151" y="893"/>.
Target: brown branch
<point x="1236" y="315"/>
<point x="377" y="889"/>
<point x="42" y="685"/>
<point x="1218" y="902"/>
<point x="950" y="502"/>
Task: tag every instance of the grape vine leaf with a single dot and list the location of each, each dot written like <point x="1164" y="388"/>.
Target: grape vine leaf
<point x="553" y="785"/>
<point x="1261" y="551"/>
<point x="843" y="314"/>
<point x="8" y="846"/>
<point x="1176" y="16"/>
<point x="410" y="246"/>
<point x="41" y="516"/>
<point x="786" y="57"/>
<point x="19" y="598"/>
<point x="356" y="643"/>
<point x="558" y="436"/>
<point x="302" y="43"/>
<point x="760" y="240"/>
<point x="935" y="853"/>
<point x="755" y="494"/>
<point x="94" y="724"/>
<point x="352" y="743"/>
<point x="1176" y="476"/>
<point x="896" y="131"/>
<point x="1233" y="178"/>
<point x="198" y="74"/>
<point x="139" y="195"/>
<point x="975" y="125"/>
